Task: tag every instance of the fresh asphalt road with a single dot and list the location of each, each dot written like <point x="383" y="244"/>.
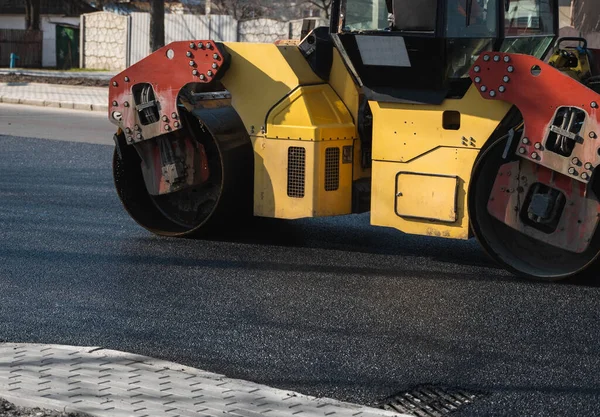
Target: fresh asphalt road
<point x="326" y="307"/>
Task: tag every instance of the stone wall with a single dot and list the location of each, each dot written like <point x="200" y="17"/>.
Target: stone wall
<point x="270" y="30"/>
<point x="104" y="41"/>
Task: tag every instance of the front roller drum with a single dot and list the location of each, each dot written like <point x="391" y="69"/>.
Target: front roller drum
<point x="520" y="253"/>
<point x="216" y="204"/>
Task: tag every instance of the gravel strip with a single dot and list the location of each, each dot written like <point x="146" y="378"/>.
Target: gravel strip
<point x="88" y="82"/>
<point x="8" y="409"/>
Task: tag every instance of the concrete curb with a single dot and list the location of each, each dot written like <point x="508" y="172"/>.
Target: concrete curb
<point x="55" y="104"/>
<point x="108" y="383"/>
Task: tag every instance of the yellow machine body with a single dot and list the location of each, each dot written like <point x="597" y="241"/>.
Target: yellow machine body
<point x="307" y="148"/>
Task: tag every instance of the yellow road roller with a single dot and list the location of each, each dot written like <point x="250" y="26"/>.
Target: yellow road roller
<point x="447" y="118"/>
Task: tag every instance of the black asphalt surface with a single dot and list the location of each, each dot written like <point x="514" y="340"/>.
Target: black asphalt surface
<point x="327" y="307"/>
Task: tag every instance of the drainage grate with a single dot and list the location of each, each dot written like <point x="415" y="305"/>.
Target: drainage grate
<point x="430" y="401"/>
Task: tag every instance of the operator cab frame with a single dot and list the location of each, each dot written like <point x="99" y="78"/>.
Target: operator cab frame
<point x="421" y="52"/>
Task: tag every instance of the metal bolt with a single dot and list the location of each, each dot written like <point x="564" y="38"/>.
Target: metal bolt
<point x="126" y="104"/>
<point x="477" y="69"/>
<point x="200" y="45"/>
<point x="483" y="88"/>
<point x="571" y="170"/>
<point x="525" y="141"/>
<point x="192" y="46"/>
<point x="214" y="66"/>
<point x="486" y="57"/>
<point x="174" y="115"/>
<point x="522" y="151"/>
<point x="534" y="155"/>
<point x="588" y="166"/>
<point x="575" y="161"/>
<point x="593" y="135"/>
<point x="137" y="127"/>
<point x="506" y="58"/>
<point x="129" y="139"/>
<point x="511" y="68"/>
<point x="594" y="105"/>
<point x="502" y="89"/>
<point x="165" y="118"/>
<point x="496" y="58"/>
<point x="139" y="136"/>
<point x="176" y="124"/>
<point x="492" y="93"/>
<point x="188" y="54"/>
<point x="126" y="79"/>
<point x="202" y="76"/>
<point x="585" y="176"/>
<point x="209" y="45"/>
<point x="538" y="146"/>
<point x="209" y="73"/>
<point x="115" y="84"/>
<point x="477" y="80"/>
<point x="114" y="103"/>
<point x="167" y="127"/>
<point x="128" y="130"/>
<point x="506" y="78"/>
<point x="192" y="63"/>
<point x="195" y="72"/>
<point x="216" y="56"/>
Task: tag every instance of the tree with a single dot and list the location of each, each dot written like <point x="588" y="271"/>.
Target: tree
<point x="324" y="5"/>
<point x="32" y="14"/>
<point x="239" y="9"/>
<point x="157" y="24"/>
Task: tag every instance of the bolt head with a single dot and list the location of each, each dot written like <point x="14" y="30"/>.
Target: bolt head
<point x="209" y="73"/>
<point x="492" y="93"/>
<point x="192" y="63"/>
<point x="127" y="130"/>
<point x="593" y="135"/>
<point x="477" y="80"/>
<point x="216" y="56"/>
<point x="114" y="103"/>
<point x="165" y="118"/>
<point x="174" y="115"/>
<point x="511" y="68"/>
<point x="483" y="88"/>
<point x="506" y="58"/>
<point x="538" y="146"/>
<point x="496" y="58"/>
<point x="192" y="46"/>
<point x="214" y="66"/>
<point x="594" y="105"/>
<point x="522" y="151"/>
<point x="588" y="166"/>
<point x="486" y="58"/>
<point x="188" y="54"/>
<point x="139" y="136"/>
<point x="525" y="141"/>
<point x="209" y="45"/>
<point x="195" y="72"/>
<point x="137" y="127"/>
<point x="202" y="76"/>
<point x="176" y="124"/>
<point x="502" y="89"/>
<point x="114" y="84"/>
<point x="506" y="78"/>
<point x="571" y="170"/>
<point x="200" y="45"/>
<point x="477" y="68"/>
<point x="126" y="104"/>
<point x="126" y="79"/>
<point x="167" y="127"/>
<point x="585" y="176"/>
<point x="575" y="161"/>
<point x="534" y="155"/>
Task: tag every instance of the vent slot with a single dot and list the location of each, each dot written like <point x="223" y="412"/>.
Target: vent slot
<point x="296" y="168"/>
<point x="332" y="169"/>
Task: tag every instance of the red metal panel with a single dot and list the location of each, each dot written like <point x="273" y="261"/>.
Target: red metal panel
<point x="168" y="70"/>
<point x="510" y="77"/>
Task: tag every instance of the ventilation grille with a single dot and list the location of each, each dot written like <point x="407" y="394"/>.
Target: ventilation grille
<point x="332" y="169"/>
<point x="296" y="165"/>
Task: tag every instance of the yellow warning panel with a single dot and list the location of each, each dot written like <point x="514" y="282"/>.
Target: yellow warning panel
<point x="426" y="197"/>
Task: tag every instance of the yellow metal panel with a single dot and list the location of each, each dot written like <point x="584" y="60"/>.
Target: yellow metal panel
<point x="402" y="132"/>
<point x="271" y="197"/>
<point x="312" y="113"/>
<point x="260" y="75"/>
<point x="426" y="197"/>
<point x="441" y="161"/>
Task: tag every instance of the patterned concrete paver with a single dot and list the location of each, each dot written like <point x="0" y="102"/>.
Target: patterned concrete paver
<point x="55" y="95"/>
<point x="111" y="383"/>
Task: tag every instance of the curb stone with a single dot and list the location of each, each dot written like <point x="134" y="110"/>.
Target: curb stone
<point x="57" y="104"/>
<point x="108" y="383"/>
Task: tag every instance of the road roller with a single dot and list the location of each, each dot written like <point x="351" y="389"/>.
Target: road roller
<point x="456" y="119"/>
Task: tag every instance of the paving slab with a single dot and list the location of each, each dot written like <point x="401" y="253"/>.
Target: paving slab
<point x="55" y="95"/>
<point x="105" y="382"/>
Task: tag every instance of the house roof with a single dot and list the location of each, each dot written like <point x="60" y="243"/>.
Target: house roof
<point x="63" y="7"/>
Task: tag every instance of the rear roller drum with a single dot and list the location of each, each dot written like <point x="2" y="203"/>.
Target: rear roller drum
<point x="525" y="256"/>
<point x="216" y="204"/>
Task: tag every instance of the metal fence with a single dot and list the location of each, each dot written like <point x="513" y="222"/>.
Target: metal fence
<point x="26" y="44"/>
